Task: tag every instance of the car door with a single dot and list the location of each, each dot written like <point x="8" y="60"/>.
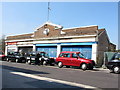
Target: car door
<point x="74" y="60"/>
<point x="12" y="56"/>
<point x="67" y="60"/>
<point x="64" y="58"/>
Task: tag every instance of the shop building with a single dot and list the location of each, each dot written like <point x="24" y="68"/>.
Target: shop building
<point x="53" y="39"/>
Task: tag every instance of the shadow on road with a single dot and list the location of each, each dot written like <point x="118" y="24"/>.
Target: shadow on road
<point x="74" y="67"/>
<point x="17" y="82"/>
<point x="23" y="70"/>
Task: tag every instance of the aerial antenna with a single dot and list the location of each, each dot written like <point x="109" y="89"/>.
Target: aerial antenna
<point x="48" y="11"/>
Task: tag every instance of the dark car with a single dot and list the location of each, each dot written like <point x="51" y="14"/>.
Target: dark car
<point x="33" y="58"/>
<point x="45" y="59"/>
<point x="16" y="57"/>
<point x="40" y="58"/>
<point x="68" y="58"/>
<point x="114" y="64"/>
<point x="2" y="56"/>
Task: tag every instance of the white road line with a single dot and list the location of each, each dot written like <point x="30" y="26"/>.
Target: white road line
<point x="53" y="80"/>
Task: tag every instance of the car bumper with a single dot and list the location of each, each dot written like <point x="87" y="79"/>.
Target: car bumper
<point x="2" y="58"/>
<point x="109" y="66"/>
<point x="91" y="65"/>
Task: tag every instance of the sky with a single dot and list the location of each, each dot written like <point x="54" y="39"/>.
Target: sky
<point x="25" y="17"/>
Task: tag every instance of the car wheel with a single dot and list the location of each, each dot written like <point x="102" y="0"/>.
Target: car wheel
<point x="23" y="61"/>
<point x="116" y="69"/>
<point x="44" y="63"/>
<point x="29" y="62"/>
<point x="60" y="65"/>
<point x="84" y="66"/>
<point x="7" y="60"/>
<point x="16" y="60"/>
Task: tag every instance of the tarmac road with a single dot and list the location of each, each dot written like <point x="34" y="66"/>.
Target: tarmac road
<point x="21" y="75"/>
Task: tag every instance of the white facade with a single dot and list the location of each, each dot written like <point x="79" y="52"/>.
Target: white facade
<point x="80" y="39"/>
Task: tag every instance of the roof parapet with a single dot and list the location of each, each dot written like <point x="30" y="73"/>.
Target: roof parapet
<point x="49" y="23"/>
<point x="83" y="27"/>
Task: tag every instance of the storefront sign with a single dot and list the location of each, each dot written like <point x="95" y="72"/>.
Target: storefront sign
<point x="11" y="43"/>
<point x="12" y="48"/>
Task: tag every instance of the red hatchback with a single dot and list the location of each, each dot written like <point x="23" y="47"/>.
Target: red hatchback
<point x="68" y="58"/>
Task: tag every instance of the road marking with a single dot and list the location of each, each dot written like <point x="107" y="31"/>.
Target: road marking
<point x="53" y="80"/>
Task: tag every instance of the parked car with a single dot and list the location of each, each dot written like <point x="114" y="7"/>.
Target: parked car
<point x="68" y="58"/>
<point x="2" y="56"/>
<point x="114" y="64"/>
<point x="15" y="57"/>
<point x="45" y="59"/>
<point x="40" y="58"/>
<point x="33" y="58"/>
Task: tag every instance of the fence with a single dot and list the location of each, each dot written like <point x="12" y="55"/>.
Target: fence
<point x="107" y="57"/>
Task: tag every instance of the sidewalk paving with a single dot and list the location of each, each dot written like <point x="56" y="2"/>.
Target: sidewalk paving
<point x="102" y="69"/>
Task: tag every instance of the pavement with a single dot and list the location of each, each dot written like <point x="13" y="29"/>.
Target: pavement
<point x="101" y="68"/>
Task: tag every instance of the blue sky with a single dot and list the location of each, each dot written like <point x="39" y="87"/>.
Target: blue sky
<point x="24" y="17"/>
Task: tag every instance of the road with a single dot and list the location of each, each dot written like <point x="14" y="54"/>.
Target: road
<point x="21" y="75"/>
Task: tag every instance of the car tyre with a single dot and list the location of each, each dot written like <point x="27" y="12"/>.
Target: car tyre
<point x="29" y="62"/>
<point x="16" y="60"/>
<point x="116" y="69"/>
<point x="84" y="66"/>
<point x="7" y="60"/>
<point x="60" y="65"/>
<point x="24" y="60"/>
<point x="44" y="63"/>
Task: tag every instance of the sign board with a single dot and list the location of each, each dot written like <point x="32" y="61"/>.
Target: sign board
<point x="11" y="43"/>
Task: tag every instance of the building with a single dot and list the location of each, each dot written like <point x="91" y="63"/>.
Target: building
<point x="53" y="39"/>
<point x="112" y="47"/>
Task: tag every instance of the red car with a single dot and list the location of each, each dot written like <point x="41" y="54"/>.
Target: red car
<point x="68" y="58"/>
<point x="2" y="56"/>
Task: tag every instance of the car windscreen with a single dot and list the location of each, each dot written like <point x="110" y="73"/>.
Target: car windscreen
<point x="81" y="55"/>
<point x="33" y="54"/>
<point x="44" y="54"/>
<point x="117" y="56"/>
<point x="16" y="53"/>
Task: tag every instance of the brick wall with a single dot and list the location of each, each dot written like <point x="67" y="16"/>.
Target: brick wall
<point x="53" y="32"/>
<point x="68" y="32"/>
<point x="103" y="46"/>
<point x="23" y="36"/>
<point x="91" y="30"/>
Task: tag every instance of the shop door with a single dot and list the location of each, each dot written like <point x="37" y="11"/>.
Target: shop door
<point x="25" y="49"/>
<point x="85" y="49"/>
<point x="50" y="50"/>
